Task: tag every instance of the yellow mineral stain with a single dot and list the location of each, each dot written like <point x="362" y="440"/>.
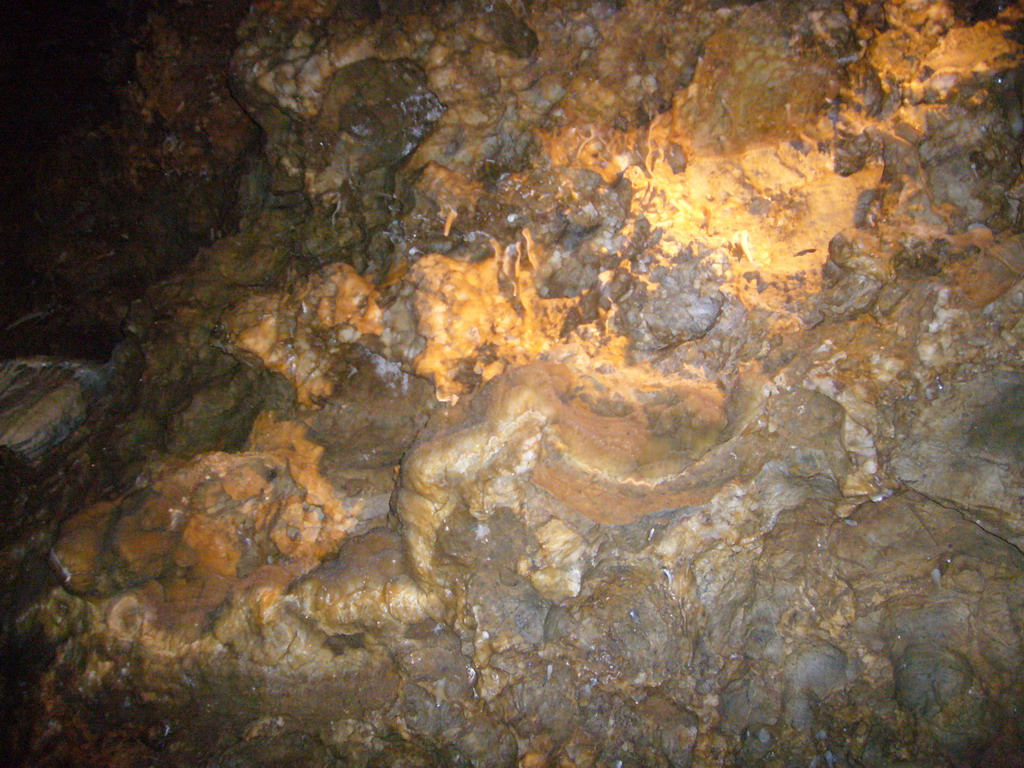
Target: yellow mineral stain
<point x="321" y="520"/>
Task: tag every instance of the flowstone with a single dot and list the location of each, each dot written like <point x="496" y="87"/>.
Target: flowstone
<point x="598" y="384"/>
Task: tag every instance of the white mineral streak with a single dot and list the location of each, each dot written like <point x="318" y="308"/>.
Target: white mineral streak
<point x="556" y="571"/>
<point x="858" y="442"/>
<point x="938" y="345"/>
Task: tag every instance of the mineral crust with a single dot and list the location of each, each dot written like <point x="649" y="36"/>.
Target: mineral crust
<point x="592" y="384"/>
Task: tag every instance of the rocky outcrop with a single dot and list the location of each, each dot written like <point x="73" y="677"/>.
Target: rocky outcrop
<point x="594" y="383"/>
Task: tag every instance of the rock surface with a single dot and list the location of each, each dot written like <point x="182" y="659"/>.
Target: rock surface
<point x="590" y="384"/>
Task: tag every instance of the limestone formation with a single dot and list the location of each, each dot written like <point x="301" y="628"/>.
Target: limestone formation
<point x="589" y="384"/>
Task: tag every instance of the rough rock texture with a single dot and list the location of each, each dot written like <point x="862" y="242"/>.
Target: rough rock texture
<point x="590" y="384"/>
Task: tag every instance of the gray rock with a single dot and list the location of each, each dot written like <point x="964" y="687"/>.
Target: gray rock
<point x="43" y="400"/>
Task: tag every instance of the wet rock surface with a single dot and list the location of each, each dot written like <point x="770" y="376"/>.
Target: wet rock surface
<point x="149" y="172"/>
<point x="588" y="384"/>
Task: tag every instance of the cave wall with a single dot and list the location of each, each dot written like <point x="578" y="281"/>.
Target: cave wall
<point x="589" y="383"/>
